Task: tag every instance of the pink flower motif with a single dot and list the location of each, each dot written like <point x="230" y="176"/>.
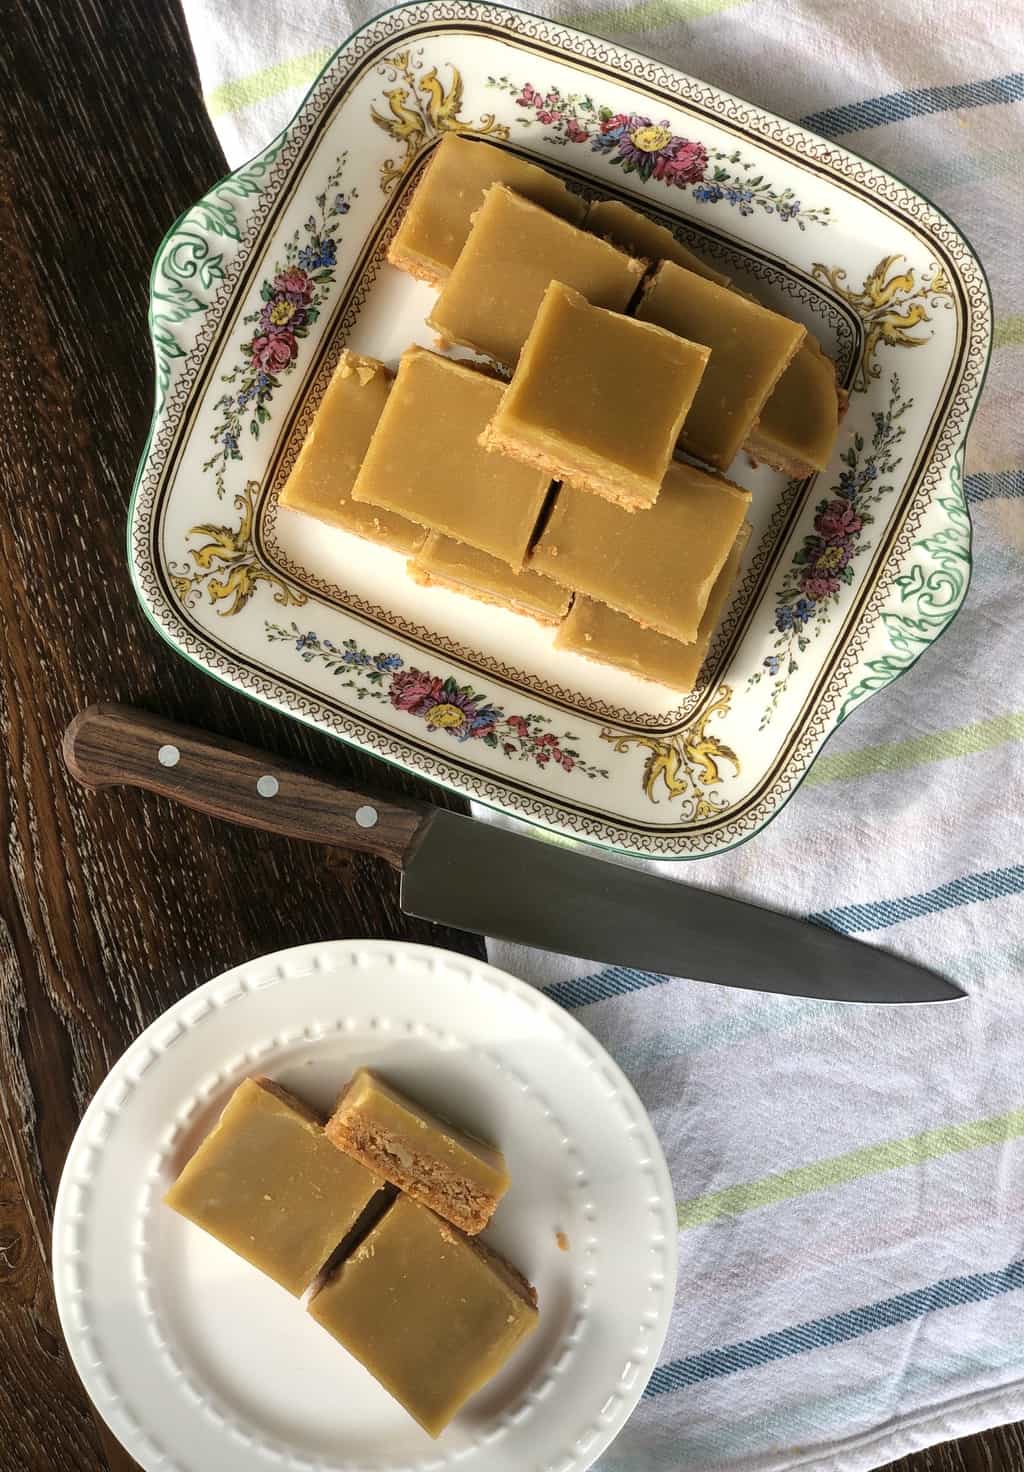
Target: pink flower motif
<point x="548" y="117"/>
<point x="295" y="284"/>
<point x="575" y="133"/>
<point x="414" y="691"/>
<point x="838" y="521"/>
<point x="274" y="351"/>
<point x="530" y="97"/>
<point x="818" y="587"/>
<point x="567" y="763"/>
<point x="681" y="163"/>
<point x="617" y="123"/>
<point x="518" y="724"/>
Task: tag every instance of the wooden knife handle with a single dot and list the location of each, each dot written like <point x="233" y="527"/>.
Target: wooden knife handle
<point x="111" y="745"/>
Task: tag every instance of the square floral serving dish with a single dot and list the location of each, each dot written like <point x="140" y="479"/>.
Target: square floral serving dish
<point x="849" y="575"/>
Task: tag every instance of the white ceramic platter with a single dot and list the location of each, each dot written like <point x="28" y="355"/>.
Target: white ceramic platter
<point x="197" y="1362"/>
<point x="848" y="577"/>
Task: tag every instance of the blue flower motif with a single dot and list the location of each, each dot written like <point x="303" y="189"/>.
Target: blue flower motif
<point x="318" y="254"/>
<point x="483" y="719"/>
<point x="736" y="194"/>
<point x="341" y="205"/>
<point x="788" y="209"/>
<point x="356" y="657"/>
<point x="794" y="615"/>
<point x="708" y="193"/>
<point x="307" y="641"/>
<point x="388" y="661"/>
<point x="771" y="664"/>
<point x="229" y="441"/>
<point x="606" y="142"/>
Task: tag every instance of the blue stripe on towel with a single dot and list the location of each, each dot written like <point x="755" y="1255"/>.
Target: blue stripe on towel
<point x="898" y="106"/>
<point x="991" y="486"/>
<point x="835" y="1329"/>
<point x="610" y="981"/>
<point x="992" y="884"/>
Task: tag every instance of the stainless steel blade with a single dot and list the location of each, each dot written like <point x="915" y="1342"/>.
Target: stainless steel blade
<point x="536" y="892"/>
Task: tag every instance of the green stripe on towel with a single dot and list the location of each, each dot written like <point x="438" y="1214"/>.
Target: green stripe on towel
<point x="871" y="1160"/>
<point x="258" y="86"/>
<point x="647" y="17"/>
<point x="897" y="756"/>
<point x="1008" y="332"/>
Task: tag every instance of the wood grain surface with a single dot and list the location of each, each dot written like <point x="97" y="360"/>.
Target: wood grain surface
<point x="109" y="745"/>
<point x="113" y="904"/>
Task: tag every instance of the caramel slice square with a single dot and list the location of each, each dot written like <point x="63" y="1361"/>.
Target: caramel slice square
<point x="321" y="480"/>
<point x="432" y="1314"/>
<point x="269" y="1184"/>
<point x="599" y="633"/>
<point x="658" y="567"/>
<point x="751" y="348"/>
<point x="597" y="399"/>
<point x="425" y="461"/>
<point x="512" y="253"/>
<point x="641" y="236"/>
<point x="459" y="1177"/>
<point x="428" y="241"/>
<point x="443" y="563"/>
<point x="797" y="430"/>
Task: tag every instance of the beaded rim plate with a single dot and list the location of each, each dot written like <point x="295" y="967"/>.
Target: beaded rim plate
<point x="196" y="1361"/>
<point x="849" y="575"/>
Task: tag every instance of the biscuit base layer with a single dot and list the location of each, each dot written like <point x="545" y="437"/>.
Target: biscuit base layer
<point x="420" y="1176"/>
<point x="452" y="585"/>
<point x="622" y="495"/>
<point x="417" y="266"/>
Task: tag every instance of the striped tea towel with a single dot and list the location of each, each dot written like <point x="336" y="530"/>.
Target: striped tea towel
<point x="850" y="1183"/>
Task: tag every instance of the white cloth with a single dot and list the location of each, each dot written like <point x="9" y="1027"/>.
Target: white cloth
<point x="851" y="1182"/>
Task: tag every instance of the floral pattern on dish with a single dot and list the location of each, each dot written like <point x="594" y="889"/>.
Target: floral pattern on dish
<point x="822" y="566"/>
<point x="444" y="706"/>
<point x="290" y="302"/>
<point x="640" y="145"/>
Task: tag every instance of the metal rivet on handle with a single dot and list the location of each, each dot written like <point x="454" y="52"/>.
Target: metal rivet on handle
<point x="366" y="817"/>
<point x="267" y="786"/>
<point x="168" y="756"/>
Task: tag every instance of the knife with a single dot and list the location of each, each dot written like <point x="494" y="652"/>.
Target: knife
<point x="474" y="876"/>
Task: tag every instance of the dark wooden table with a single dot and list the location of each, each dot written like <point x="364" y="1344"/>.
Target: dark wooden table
<point x="114" y="905"/>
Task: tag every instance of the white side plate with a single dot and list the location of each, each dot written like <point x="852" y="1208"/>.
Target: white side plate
<point x="197" y="1362"/>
